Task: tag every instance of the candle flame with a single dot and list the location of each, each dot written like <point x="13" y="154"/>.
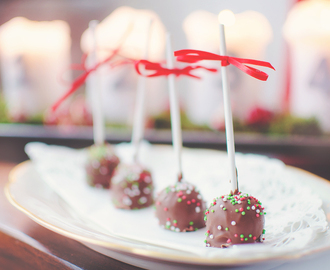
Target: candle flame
<point x="226" y="17"/>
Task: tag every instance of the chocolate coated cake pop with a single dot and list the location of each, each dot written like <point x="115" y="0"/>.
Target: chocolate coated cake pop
<point x="180" y="208"/>
<point x="101" y="164"/>
<point x="132" y="187"/>
<point x="234" y="219"/>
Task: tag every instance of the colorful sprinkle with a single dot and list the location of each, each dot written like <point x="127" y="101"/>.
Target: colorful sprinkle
<point x="219" y="227"/>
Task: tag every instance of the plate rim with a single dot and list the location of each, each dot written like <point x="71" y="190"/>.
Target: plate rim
<point x="150" y="254"/>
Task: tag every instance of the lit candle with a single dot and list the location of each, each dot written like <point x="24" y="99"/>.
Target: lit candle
<point x="307" y="31"/>
<point x="248" y="37"/>
<point x="227" y="16"/>
<point x="33" y="57"/>
<point x="125" y="26"/>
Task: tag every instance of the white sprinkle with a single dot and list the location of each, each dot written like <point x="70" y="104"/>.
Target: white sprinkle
<point x="172" y="228"/>
<point x="199" y="196"/>
<point x="211" y="236"/>
<point x="224" y="199"/>
<point x="127" y="201"/>
<point x="147" y="179"/>
<point x="168" y="223"/>
<point x="95" y="164"/>
<point x="177" y="229"/>
<point x="257" y="211"/>
<point x="221" y="206"/>
<point x="103" y="170"/>
<point x="253" y="207"/>
<point x="207" y="245"/>
<point x="127" y="191"/>
<point x="136" y="192"/>
<point x="239" y="202"/>
<point x="219" y="227"/>
<point x="143" y="200"/>
<point x="197" y="209"/>
<point x="188" y="191"/>
<point x="233" y="223"/>
<point x="146" y="190"/>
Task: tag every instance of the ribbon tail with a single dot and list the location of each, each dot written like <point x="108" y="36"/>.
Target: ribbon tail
<point x="73" y="88"/>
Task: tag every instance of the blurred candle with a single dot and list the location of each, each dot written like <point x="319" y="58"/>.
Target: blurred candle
<point x="128" y="27"/>
<point x="33" y="57"/>
<point x="307" y="31"/>
<point x="247" y="36"/>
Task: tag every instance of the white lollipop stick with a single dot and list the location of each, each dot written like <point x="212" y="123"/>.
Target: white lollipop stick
<point x="174" y="108"/>
<point x="139" y="112"/>
<point x="93" y="85"/>
<point x="228" y="115"/>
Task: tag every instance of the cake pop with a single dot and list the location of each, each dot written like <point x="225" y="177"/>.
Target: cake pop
<point x="180" y="208"/>
<point x="132" y="187"/>
<point x="234" y="219"/>
<point x="101" y="165"/>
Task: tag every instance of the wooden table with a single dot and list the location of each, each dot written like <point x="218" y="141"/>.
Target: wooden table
<point x="26" y="245"/>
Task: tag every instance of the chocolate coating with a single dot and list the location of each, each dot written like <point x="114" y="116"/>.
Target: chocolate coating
<point x="101" y="165"/>
<point x="180" y="208"/>
<point x="132" y="187"/>
<point x="234" y="219"/>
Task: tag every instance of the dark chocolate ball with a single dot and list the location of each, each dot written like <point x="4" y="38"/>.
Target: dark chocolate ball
<point x="132" y="187"/>
<point x="234" y="219"/>
<point x="180" y="208"/>
<point x="101" y="165"/>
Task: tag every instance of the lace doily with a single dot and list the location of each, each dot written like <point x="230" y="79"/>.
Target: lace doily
<point x="294" y="211"/>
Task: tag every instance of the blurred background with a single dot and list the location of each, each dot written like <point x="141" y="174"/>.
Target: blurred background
<point x="285" y="117"/>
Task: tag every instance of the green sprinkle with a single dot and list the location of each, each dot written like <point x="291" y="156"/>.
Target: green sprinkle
<point x="191" y="223"/>
<point x="263" y="231"/>
<point x="212" y="210"/>
<point x="224" y="209"/>
<point x="179" y="200"/>
<point x="205" y="218"/>
<point x="265" y="213"/>
<point x="236" y="210"/>
<point x="245" y="239"/>
<point x="196" y="229"/>
<point x="167" y="226"/>
<point x="243" y="213"/>
<point x="227" y="229"/>
<point x="261" y="213"/>
<point x="205" y="241"/>
<point x="175" y="221"/>
<point x="250" y="235"/>
<point x="248" y="208"/>
<point x="206" y="234"/>
<point x="242" y="236"/>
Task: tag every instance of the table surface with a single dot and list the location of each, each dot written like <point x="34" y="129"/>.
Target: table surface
<point x="26" y="245"/>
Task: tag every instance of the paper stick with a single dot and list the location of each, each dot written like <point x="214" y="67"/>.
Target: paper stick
<point x="139" y="112"/>
<point x="174" y="108"/>
<point x="228" y="116"/>
<point x="93" y="85"/>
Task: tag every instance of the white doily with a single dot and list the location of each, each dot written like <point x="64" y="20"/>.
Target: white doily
<point x="294" y="213"/>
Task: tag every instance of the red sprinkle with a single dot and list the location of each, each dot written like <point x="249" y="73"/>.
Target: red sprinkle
<point x="165" y="209"/>
<point x="188" y="202"/>
<point x="229" y="241"/>
<point x="193" y="200"/>
<point x="241" y="209"/>
<point x="254" y="238"/>
<point x="208" y="231"/>
<point x="242" y="239"/>
<point x="175" y="224"/>
<point x="257" y="215"/>
<point x="184" y="197"/>
<point x="158" y="202"/>
<point x="198" y="204"/>
<point x="214" y="203"/>
<point x="168" y="219"/>
<point x="235" y="235"/>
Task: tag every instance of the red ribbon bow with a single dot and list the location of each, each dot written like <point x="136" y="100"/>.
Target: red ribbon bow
<point x="192" y="56"/>
<point x="161" y="71"/>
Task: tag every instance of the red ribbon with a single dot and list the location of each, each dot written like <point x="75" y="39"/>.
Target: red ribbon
<point x="192" y="56"/>
<point x="161" y="71"/>
<point x="82" y="78"/>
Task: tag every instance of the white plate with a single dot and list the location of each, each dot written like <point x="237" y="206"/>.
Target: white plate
<point x="30" y="194"/>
